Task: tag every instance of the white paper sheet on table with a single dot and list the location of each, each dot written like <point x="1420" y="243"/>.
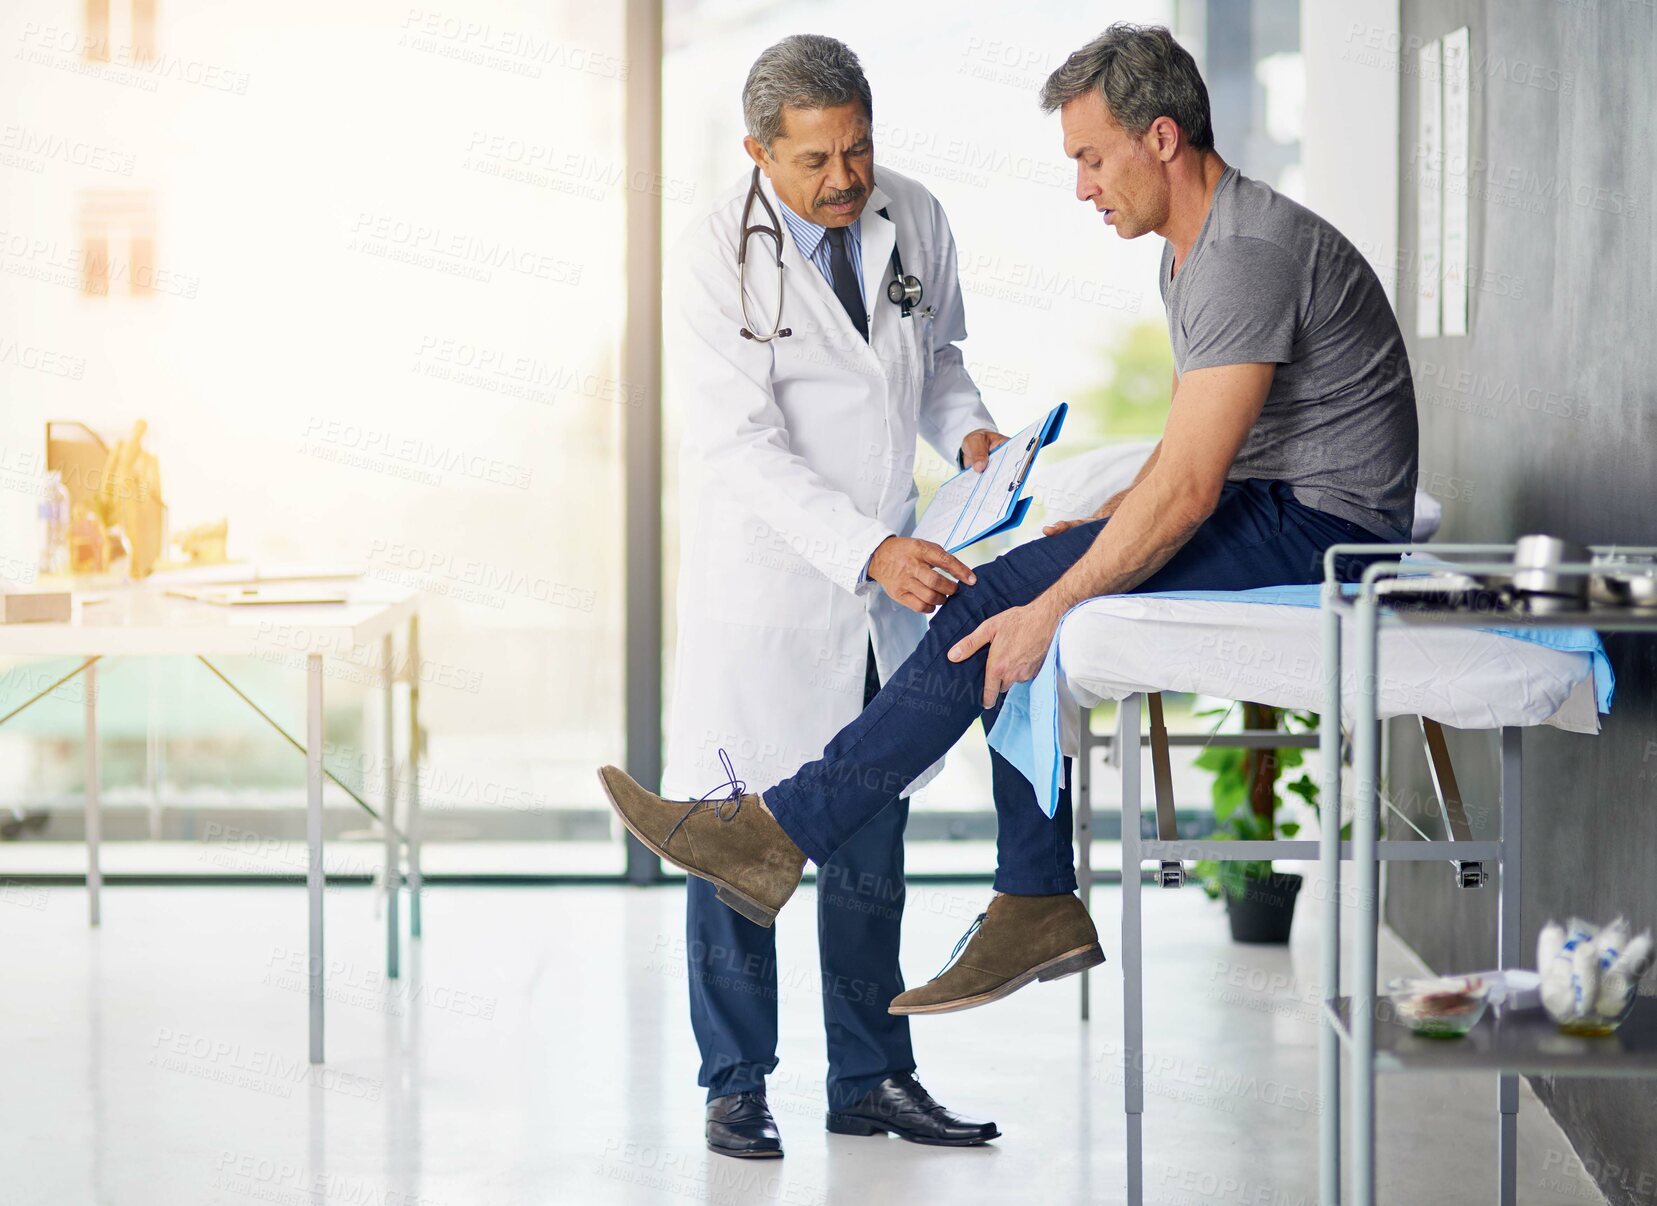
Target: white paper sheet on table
<point x="1116" y="646"/>
<point x="1273" y="655"/>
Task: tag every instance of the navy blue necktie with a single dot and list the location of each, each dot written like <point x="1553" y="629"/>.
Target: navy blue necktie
<point x="845" y="283"/>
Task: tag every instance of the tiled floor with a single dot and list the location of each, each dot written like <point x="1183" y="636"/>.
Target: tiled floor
<point x="537" y="1050"/>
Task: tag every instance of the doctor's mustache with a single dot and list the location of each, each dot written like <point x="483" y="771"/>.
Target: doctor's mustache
<point x="839" y="198"/>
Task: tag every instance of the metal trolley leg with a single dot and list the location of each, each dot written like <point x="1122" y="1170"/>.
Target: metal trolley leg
<point x="1509" y="891"/>
<point x="1329" y="862"/>
<point x="1366" y="877"/>
<point x="1125" y="750"/>
<point x="1081" y="803"/>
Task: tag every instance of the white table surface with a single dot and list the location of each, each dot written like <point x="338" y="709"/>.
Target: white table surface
<point x="143" y="620"/>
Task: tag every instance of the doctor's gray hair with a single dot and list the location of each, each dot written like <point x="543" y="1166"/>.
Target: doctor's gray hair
<point x="805" y="71"/>
<point x="1143" y="74"/>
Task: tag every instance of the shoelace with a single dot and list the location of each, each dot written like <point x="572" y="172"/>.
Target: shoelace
<point x="919" y="1100"/>
<point x="734" y="798"/>
<point x="917" y="1092"/>
<point x="962" y="944"/>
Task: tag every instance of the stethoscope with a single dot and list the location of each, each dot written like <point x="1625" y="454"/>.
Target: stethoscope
<point x="902" y="291"/>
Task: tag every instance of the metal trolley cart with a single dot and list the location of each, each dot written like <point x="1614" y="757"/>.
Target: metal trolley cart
<point x="1510" y="1044"/>
<point x="1473" y="863"/>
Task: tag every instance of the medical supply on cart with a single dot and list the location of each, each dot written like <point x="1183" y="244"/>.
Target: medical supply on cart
<point x="1591" y="974"/>
<point x="1439" y="1006"/>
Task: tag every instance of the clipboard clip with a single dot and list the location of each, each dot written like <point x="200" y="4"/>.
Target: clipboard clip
<point x="1024" y="469"/>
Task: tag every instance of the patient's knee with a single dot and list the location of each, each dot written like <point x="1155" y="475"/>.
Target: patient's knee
<point x="967" y="608"/>
<point x="952" y="620"/>
<point x="992" y="590"/>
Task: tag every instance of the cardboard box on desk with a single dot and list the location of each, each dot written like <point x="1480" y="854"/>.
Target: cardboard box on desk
<point x="33" y="606"/>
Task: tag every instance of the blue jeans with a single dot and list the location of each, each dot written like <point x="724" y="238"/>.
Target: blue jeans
<point x="1258" y="535"/>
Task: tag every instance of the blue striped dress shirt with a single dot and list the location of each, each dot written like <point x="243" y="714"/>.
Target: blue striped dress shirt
<point x="812" y="240"/>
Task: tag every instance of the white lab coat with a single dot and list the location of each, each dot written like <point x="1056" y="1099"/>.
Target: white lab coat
<point x="797" y="460"/>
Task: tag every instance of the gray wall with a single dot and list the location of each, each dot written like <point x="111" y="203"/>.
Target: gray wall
<point x="1564" y="197"/>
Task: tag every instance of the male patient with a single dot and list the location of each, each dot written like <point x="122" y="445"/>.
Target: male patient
<point x="1292" y="428"/>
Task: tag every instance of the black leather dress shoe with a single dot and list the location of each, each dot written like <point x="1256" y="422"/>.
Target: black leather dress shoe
<point x="899" y="1106"/>
<point x="740" y="1124"/>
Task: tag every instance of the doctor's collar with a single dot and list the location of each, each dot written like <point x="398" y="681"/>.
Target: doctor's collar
<point x="808" y="235"/>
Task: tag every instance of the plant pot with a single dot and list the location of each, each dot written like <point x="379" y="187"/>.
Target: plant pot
<point x="1265" y="912"/>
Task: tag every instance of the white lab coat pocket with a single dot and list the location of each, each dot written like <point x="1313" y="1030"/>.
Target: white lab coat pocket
<point x="764" y="578"/>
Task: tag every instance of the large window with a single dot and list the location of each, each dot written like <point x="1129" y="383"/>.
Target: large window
<point x="361" y="273"/>
<point x="359" y="268"/>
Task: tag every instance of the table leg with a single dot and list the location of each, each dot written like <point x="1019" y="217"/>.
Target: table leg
<point x="1329" y="862"/>
<point x="415" y="754"/>
<point x="1366" y="876"/>
<point x="94" y="806"/>
<point x="1126" y="749"/>
<point x="1082" y="805"/>
<point x="314" y="877"/>
<point x="1509" y="889"/>
<point x="388" y="805"/>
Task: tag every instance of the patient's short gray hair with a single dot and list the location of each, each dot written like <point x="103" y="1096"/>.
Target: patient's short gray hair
<point x="806" y="71"/>
<point x="1143" y="74"/>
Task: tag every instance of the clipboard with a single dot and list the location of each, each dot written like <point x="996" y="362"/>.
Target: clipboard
<point x="972" y="506"/>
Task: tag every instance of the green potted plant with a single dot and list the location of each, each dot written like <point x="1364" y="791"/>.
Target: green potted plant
<point x="1259" y="900"/>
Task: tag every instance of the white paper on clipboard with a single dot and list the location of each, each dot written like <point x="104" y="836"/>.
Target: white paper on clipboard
<point x="970" y="504"/>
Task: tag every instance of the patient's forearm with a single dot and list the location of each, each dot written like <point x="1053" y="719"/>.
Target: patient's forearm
<point x="1145" y="469"/>
<point x="1115" y="500"/>
<point x="1153" y="521"/>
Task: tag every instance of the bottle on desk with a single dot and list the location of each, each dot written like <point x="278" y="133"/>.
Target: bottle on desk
<point x="54" y="524"/>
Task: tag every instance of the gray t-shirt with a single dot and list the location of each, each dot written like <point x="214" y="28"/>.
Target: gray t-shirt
<point x="1268" y="281"/>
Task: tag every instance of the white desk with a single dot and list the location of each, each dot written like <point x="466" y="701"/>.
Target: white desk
<point x="144" y="621"/>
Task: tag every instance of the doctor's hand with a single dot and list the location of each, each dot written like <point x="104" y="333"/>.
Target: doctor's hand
<point x="907" y="569"/>
<point x="1017" y="638"/>
<point x="976" y="448"/>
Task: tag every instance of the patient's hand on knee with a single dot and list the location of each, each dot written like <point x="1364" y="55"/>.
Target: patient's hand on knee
<point x="1104" y="512"/>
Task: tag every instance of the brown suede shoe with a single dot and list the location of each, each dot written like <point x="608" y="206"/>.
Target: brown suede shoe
<point x="733" y="843"/>
<point x="1016" y="940"/>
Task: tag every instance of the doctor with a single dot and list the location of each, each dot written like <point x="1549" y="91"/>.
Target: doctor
<point x="809" y="352"/>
